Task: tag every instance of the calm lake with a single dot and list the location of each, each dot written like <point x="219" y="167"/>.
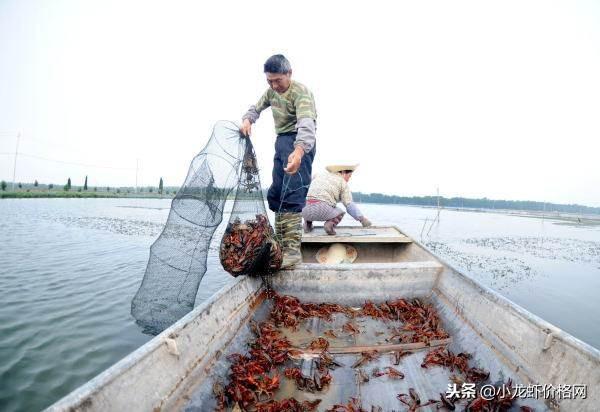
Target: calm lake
<point x="69" y="268"/>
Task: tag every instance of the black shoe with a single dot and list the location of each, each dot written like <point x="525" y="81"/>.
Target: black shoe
<point x="329" y="225"/>
<point x="308" y="227"/>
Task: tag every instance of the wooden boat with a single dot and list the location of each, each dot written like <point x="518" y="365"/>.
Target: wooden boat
<point x="177" y="369"/>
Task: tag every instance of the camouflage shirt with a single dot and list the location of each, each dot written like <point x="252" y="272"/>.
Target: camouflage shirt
<point x="293" y="111"/>
<point x="296" y="103"/>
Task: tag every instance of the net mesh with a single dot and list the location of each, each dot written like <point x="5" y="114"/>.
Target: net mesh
<point x="178" y="258"/>
<point x="248" y="245"/>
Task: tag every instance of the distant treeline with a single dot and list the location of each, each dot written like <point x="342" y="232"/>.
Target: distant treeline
<point x="484" y="203"/>
<point x="51" y="190"/>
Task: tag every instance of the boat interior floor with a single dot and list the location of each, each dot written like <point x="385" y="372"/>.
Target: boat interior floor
<point x="356" y="377"/>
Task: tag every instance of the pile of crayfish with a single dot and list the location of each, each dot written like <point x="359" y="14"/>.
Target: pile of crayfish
<point x="443" y="357"/>
<point x="250" y="248"/>
<point x="421" y="321"/>
<point x="288" y="311"/>
<point x="256" y="377"/>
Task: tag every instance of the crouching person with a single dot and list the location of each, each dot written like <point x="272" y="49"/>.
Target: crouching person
<point x="325" y="192"/>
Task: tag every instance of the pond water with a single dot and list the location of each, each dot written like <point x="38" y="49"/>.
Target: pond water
<point x="69" y="268"/>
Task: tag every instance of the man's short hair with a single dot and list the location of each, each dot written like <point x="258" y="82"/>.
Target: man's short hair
<point x="278" y="64"/>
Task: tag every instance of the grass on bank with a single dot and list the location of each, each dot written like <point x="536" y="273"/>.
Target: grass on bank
<point x="41" y="190"/>
<point x="82" y="194"/>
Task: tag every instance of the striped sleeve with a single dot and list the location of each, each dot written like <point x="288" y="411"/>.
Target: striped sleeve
<point x="305" y="136"/>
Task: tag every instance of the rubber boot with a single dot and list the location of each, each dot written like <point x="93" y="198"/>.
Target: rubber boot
<point x="330" y="224"/>
<point x="308" y="226"/>
<point x="288" y="228"/>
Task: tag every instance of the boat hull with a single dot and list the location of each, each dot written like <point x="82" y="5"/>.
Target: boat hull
<point x="176" y="370"/>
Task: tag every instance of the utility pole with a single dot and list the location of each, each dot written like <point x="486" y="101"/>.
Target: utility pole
<point x="137" y="161"/>
<point x="438" y="204"/>
<point x="15" y="164"/>
<point x="544" y="212"/>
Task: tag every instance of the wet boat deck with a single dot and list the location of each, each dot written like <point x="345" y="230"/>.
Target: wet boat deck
<point x="346" y="380"/>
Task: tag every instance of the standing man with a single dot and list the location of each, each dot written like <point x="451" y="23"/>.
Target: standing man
<point x="295" y="116"/>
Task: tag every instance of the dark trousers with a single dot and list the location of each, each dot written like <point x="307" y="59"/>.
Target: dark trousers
<point x="288" y="192"/>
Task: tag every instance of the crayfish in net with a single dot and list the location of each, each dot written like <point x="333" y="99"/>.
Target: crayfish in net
<point x="250" y="247"/>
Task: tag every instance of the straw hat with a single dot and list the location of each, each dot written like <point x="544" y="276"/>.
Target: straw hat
<point x="337" y="253"/>
<point x="339" y="168"/>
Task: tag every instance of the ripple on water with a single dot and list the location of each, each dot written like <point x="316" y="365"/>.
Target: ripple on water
<point x="66" y="291"/>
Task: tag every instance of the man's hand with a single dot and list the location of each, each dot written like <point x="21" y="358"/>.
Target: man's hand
<point x="294" y="160"/>
<point x="246" y="127"/>
<point x="365" y="222"/>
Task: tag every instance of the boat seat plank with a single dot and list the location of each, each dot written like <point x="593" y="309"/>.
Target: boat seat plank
<point x="357" y="234"/>
<point x="333" y="350"/>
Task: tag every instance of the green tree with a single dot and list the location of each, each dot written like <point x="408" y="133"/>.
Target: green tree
<point x="150" y="189"/>
<point x="35" y="183"/>
<point x="20" y="185"/>
<point x="3" y="185"/>
<point x="50" y="186"/>
<point x="118" y="190"/>
<point x="85" y="184"/>
<point x="95" y="189"/>
<point x="160" y="186"/>
<point x="79" y="189"/>
<point x="68" y="185"/>
<point x="108" y="188"/>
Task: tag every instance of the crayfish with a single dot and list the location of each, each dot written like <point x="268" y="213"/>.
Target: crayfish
<point x="353" y="405"/>
<point x="460" y="362"/>
<point x="502" y="401"/>
<point x="389" y="371"/>
<point x="415" y="400"/>
<point x="366" y="357"/>
<point x="250" y="248"/>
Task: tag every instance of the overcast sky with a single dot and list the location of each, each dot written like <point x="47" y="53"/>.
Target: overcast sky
<point x="496" y="99"/>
